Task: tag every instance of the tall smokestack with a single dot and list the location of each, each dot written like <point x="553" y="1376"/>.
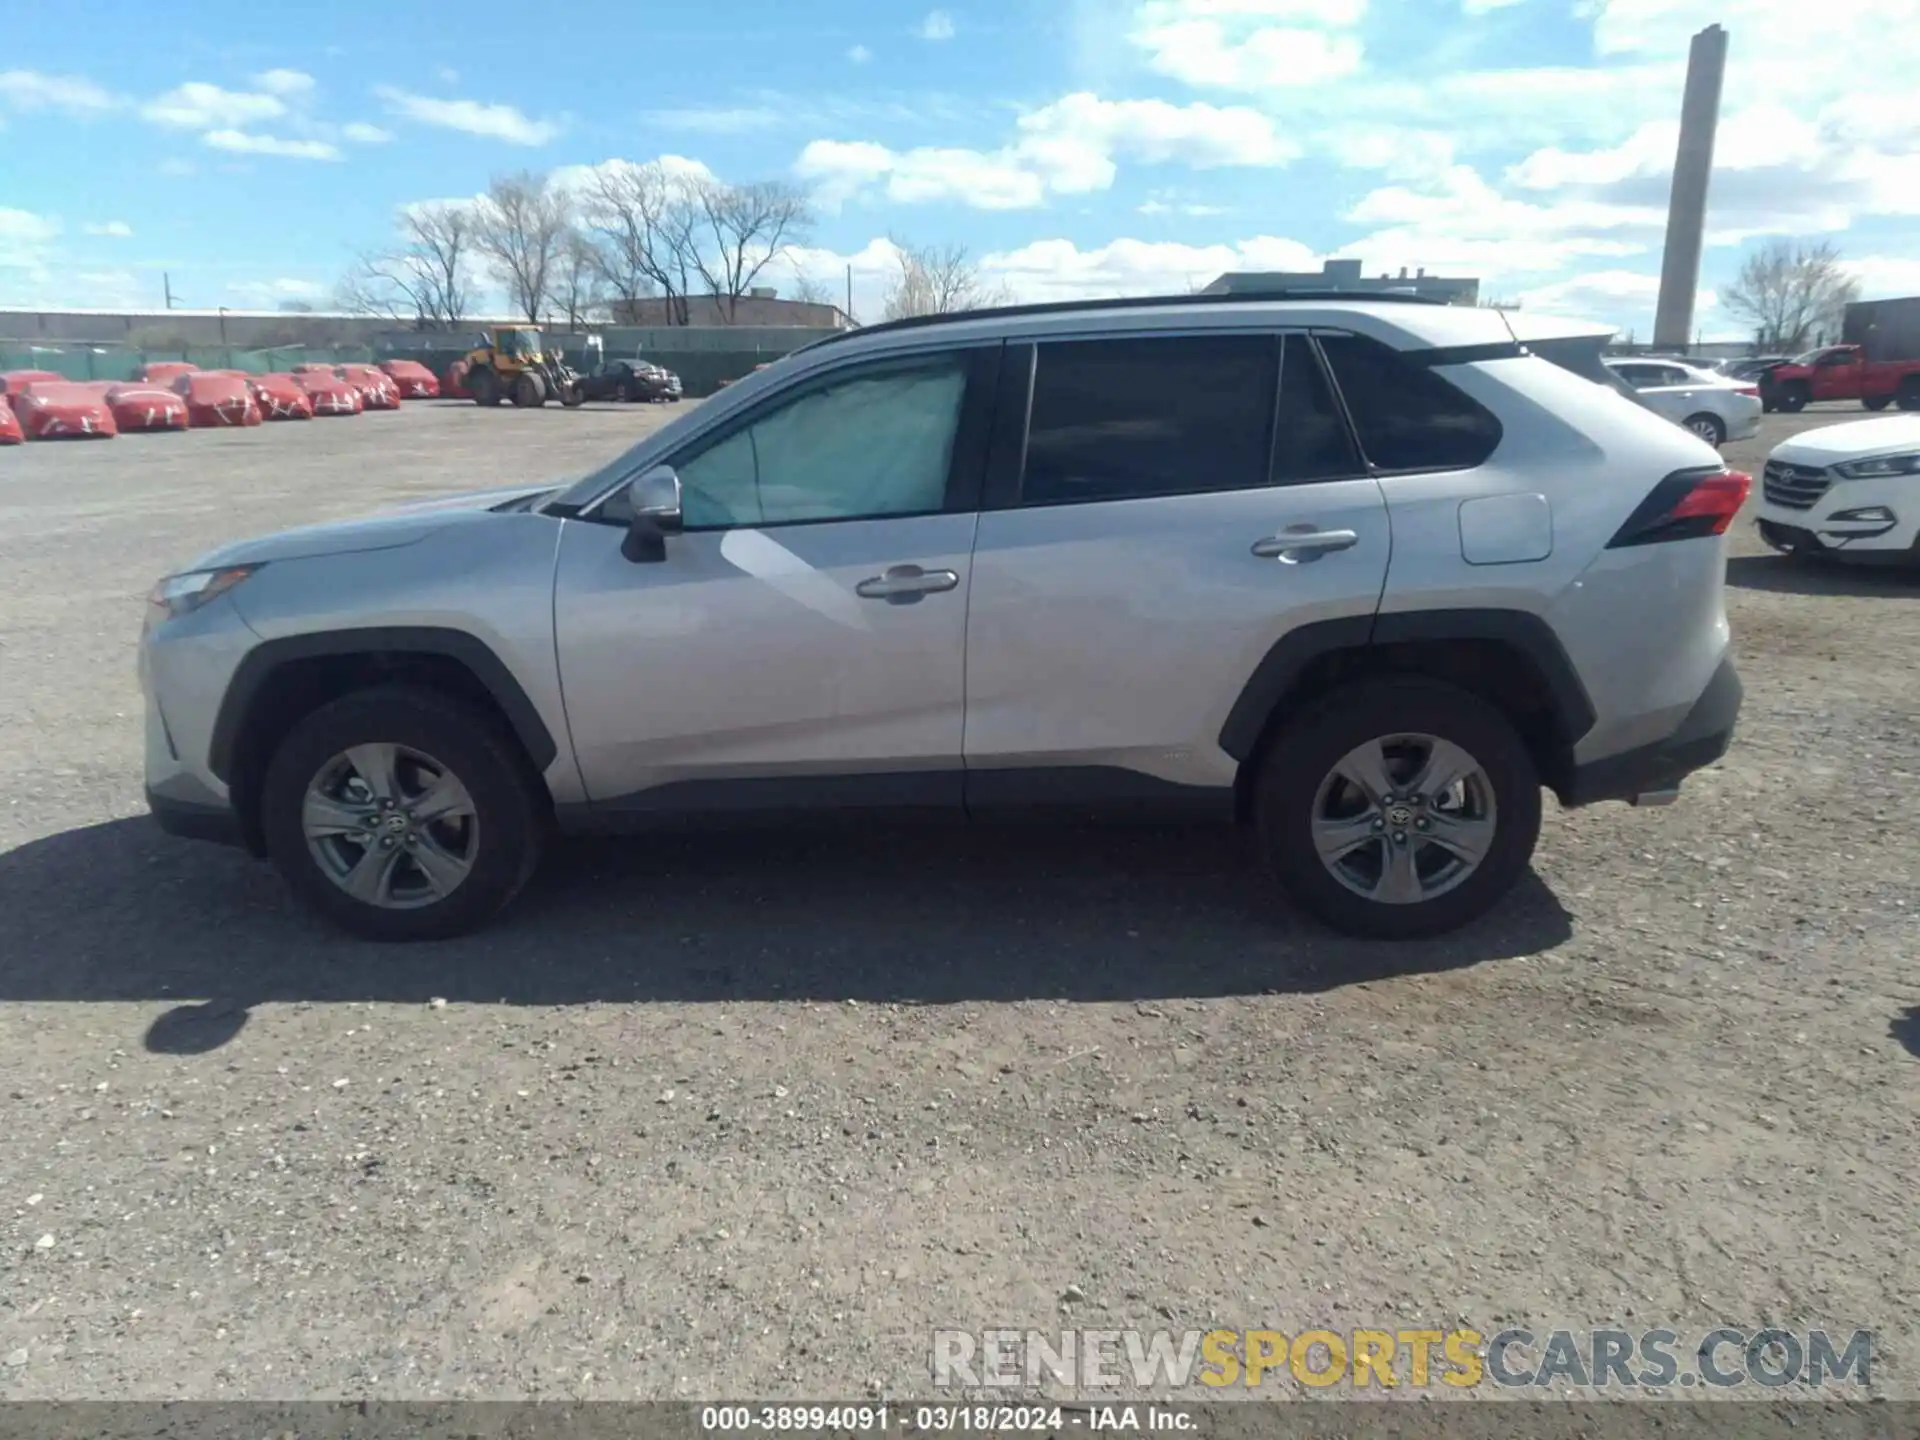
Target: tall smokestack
<point x="1687" y="205"/>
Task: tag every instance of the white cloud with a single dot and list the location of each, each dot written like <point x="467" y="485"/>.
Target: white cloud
<point x="1400" y="152"/>
<point x="1057" y="269"/>
<point x="859" y="54"/>
<point x="1881" y="276"/>
<point x="200" y="106"/>
<point x="448" y="75"/>
<point x="177" y="167"/>
<point x="30" y="90"/>
<point x="720" y="119"/>
<point x="288" y="83"/>
<point x="361" y="133"/>
<point x="1250" y="44"/>
<point x="109" y="229"/>
<point x="579" y="180"/>
<point x="243" y="142"/>
<point x="496" y="122"/>
<point x="1481" y="7"/>
<point x="1069" y="147"/>
<point x="937" y="26"/>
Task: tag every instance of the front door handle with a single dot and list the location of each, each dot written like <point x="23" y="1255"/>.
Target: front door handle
<point x="1298" y="544"/>
<point x="905" y="584"/>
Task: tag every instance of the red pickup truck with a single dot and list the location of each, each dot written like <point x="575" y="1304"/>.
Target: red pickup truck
<point x="1842" y="372"/>
<point x="1879" y="365"/>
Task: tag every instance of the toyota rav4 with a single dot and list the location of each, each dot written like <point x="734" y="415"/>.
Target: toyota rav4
<point x="1365" y="575"/>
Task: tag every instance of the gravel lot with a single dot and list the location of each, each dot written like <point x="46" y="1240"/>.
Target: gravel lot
<point x="745" y="1116"/>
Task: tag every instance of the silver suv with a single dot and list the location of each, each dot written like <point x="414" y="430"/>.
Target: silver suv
<point x="1364" y="575"/>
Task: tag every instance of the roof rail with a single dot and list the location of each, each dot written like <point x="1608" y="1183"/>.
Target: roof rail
<point x="1130" y="302"/>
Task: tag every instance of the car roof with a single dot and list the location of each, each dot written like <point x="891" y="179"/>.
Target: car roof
<point x="1408" y="322"/>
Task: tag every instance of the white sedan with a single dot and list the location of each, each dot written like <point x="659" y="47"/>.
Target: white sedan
<point x="1848" y="491"/>
<point x="1714" y="407"/>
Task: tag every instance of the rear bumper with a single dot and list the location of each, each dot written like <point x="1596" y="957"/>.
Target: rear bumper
<point x="1699" y="740"/>
<point x="189" y="821"/>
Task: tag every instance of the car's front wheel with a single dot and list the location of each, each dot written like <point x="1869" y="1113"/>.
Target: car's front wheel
<point x="401" y="814"/>
<point x="1399" y="808"/>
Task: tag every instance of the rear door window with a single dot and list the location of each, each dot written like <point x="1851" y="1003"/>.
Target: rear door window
<point x="1408" y="416"/>
<point x="1129" y="418"/>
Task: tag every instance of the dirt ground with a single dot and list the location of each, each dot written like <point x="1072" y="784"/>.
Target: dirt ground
<point x="747" y="1116"/>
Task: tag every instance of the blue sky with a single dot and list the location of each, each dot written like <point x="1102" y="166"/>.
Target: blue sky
<point x="1075" y="146"/>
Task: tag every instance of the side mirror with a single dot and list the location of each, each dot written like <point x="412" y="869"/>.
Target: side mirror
<point x="654" y="500"/>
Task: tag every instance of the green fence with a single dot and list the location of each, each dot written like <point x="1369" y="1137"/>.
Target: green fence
<point x="695" y="356"/>
<point x="99" y="362"/>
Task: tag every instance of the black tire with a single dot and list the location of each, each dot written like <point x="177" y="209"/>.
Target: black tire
<point x="1709" y="428"/>
<point x="484" y="386"/>
<point x="1876" y="402"/>
<point x="1304" y="755"/>
<point x="632" y="393"/>
<point x="529" y="390"/>
<point x="509" y="818"/>
<point x="573" y="395"/>
<point x="1794" y="398"/>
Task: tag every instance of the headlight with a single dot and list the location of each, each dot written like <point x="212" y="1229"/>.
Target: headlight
<point x="183" y="594"/>
<point x="1879" y="467"/>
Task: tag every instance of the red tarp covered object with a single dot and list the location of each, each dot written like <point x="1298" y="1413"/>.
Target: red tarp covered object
<point x="138" y="406"/>
<point x="376" y="387"/>
<point x="165" y="372"/>
<point x="216" y="399"/>
<point x="330" y="394"/>
<point x="280" y="397"/>
<point x="60" y="409"/>
<point x="12" y="382"/>
<point x="454" y="387"/>
<point x="415" y="380"/>
<point x="10" y="432"/>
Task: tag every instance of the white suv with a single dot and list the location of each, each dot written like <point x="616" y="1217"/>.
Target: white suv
<point x="1365" y="574"/>
<point x="1846" y="492"/>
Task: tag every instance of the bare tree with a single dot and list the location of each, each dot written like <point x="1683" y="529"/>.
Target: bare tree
<point x="522" y="226"/>
<point x="742" y="230"/>
<point x="643" y="222"/>
<point x="579" y="282"/>
<point x="811" y="289"/>
<point x="1791" y="293"/>
<point x="938" y="280"/>
<point x="425" y="277"/>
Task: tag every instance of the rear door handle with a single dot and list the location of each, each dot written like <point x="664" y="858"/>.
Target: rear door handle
<point x="1300" y="543"/>
<point x="905" y="584"/>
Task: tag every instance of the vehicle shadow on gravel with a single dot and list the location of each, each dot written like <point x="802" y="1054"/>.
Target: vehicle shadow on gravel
<point x="1791" y="576"/>
<point x="1905" y="1027"/>
<point x="120" y="912"/>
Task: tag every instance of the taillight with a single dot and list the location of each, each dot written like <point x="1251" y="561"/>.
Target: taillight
<point x="1687" y="505"/>
<point x="1753" y="390"/>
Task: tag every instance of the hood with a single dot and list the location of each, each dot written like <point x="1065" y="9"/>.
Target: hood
<point x="1854" y="440"/>
<point x="404" y="526"/>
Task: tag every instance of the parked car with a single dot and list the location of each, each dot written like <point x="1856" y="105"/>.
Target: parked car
<point x="1846" y="492"/>
<point x="632" y="380"/>
<point x="1713" y="407"/>
<point x="1364" y="573"/>
<point x="1844" y="372"/>
<point x="1750" y="368"/>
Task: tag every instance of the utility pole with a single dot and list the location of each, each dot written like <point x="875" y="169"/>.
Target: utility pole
<point x="166" y="282"/>
<point x="1687" y="202"/>
<point x="849" y="293"/>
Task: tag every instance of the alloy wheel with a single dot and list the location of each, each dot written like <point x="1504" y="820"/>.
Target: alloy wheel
<point x="391" y="826"/>
<point x="1404" y="818"/>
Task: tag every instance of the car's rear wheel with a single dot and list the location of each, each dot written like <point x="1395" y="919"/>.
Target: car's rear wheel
<point x="400" y="814"/>
<point x="1708" y="428"/>
<point x="1793" y="398"/>
<point x="1399" y="808"/>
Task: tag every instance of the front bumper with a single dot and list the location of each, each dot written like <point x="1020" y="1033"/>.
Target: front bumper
<point x="1699" y="740"/>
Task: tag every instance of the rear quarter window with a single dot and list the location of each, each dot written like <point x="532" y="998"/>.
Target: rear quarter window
<point x="1408" y="416"/>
